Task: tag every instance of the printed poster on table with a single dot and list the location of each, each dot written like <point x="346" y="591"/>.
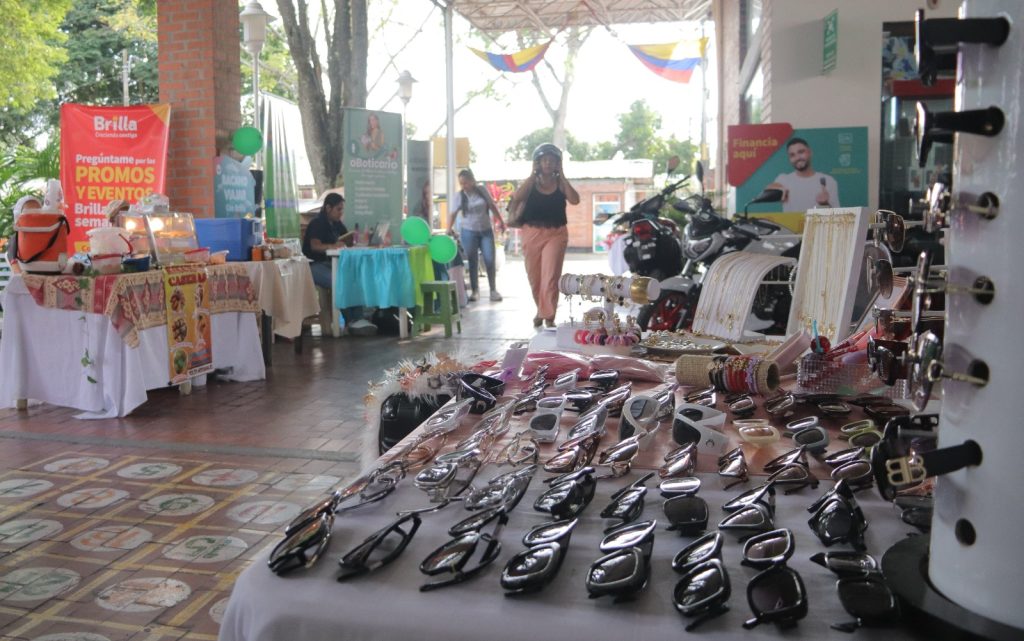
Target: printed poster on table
<point x="822" y="167"/>
<point x="187" y="295"/>
<point x="372" y="169"/>
<point x="109" y="153"/>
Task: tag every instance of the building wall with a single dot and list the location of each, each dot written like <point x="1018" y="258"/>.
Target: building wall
<point x="199" y="66"/>
<point x="796" y="91"/>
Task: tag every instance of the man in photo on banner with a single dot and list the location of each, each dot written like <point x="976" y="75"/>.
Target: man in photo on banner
<point x="804" y="188"/>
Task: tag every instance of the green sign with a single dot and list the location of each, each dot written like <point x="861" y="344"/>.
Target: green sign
<point x="830" y="51"/>
<point x="234" y="189"/>
<point x="372" y="169"/>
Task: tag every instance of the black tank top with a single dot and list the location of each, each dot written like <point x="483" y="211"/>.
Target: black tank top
<point x="544" y="210"/>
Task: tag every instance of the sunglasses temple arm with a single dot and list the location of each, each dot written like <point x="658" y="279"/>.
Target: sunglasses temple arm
<point x="426" y="510"/>
<point x="707" y="616"/>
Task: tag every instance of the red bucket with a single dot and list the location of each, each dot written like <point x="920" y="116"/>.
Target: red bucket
<point x="42" y="239"/>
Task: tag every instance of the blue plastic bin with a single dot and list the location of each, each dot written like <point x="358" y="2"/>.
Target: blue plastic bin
<point x="237" y="235"/>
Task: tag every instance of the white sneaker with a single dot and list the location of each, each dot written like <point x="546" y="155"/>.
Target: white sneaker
<point x="495" y="297"/>
<point x="362" y="327"/>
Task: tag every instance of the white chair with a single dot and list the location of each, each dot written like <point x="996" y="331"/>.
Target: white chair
<point x="5" y="277"/>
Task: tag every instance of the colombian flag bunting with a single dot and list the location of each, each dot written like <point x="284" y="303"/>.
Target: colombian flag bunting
<point x="668" y="61"/>
<point x="515" y="62"/>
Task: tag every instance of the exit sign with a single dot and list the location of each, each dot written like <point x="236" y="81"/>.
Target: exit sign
<point x="830" y="49"/>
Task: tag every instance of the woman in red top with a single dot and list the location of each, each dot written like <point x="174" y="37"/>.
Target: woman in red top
<point x="543" y="197"/>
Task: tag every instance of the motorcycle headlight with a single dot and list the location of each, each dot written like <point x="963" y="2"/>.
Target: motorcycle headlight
<point x="695" y="248"/>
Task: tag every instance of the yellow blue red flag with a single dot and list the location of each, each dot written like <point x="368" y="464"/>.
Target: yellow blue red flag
<point x="673" y="61"/>
<point x="515" y="62"/>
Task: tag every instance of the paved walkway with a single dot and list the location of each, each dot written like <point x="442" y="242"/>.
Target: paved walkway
<point x="136" y="528"/>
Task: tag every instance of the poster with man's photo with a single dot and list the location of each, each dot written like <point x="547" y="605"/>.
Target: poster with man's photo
<point x="821" y="167"/>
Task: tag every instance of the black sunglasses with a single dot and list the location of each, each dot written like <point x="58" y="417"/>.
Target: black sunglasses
<point x="776" y="595"/>
<point x="369" y="488"/>
<point x="703" y="549"/>
<point x="763" y="494"/>
<point x="839" y="520"/>
<point x="683" y="486"/>
<point x="792" y="478"/>
<point x="768" y="548"/>
<point x="869" y="600"/>
<point x="749" y="520"/>
<point x="680" y="462"/>
<point x="845" y="563"/>
<point x="303" y="547"/>
<point x="732" y="468"/>
<point x="859" y="474"/>
<point x="453" y="558"/>
<point x="702" y="592"/>
<point x="380" y="548"/>
<point x="534" y="568"/>
<point x="567" y="498"/>
<point x="624" y="570"/>
<point x="627" y="503"/>
<point x="798" y="455"/>
<point x="606" y="379"/>
<point x="687" y="515"/>
<point x="575" y="457"/>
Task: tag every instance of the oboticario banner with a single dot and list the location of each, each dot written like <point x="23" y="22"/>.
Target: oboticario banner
<point x="109" y="153"/>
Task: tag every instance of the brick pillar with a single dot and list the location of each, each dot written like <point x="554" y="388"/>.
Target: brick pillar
<point x="200" y="78"/>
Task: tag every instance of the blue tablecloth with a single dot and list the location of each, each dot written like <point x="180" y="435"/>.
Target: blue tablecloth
<point x="374" y="278"/>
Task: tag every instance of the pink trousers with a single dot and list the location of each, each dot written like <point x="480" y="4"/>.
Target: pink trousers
<point x="544" y="248"/>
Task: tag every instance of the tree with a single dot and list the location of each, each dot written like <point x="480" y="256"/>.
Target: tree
<point x="30" y="47"/>
<point x="346" y="41"/>
<point x="577" y="149"/>
<point x="638" y="138"/>
<point x="21" y="174"/>
<point x="574" y="39"/>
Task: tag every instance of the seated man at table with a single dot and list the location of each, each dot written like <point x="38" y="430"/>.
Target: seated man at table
<point x="326" y="232"/>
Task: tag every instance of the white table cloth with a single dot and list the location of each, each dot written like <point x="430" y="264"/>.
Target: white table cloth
<point x="285" y="291"/>
<point x="41" y="353"/>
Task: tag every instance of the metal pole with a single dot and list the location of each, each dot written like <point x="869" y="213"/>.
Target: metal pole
<point x="703" y="100"/>
<point x="449" y="70"/>
<point x="125" y="72"/>
<point x="258" y="157"/>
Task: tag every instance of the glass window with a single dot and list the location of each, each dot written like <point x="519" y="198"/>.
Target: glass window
<point x="753" y="99"/>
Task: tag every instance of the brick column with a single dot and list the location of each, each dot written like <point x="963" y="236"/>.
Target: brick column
<point x="200" y="78"/>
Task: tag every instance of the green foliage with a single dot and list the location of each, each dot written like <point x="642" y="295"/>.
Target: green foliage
<point x="277" y="72"/>
<point x="30" y="47"/>
<point x="23" y="171"/>
<point x="637" y="138"/>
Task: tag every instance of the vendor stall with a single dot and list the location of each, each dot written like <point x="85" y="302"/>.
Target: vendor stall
<point x="380" y="277"/>
<point x="286" y="295"/>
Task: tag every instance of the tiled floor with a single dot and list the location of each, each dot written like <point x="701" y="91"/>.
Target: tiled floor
<point x="136" y="528"/>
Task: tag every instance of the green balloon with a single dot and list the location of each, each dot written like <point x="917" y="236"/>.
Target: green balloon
<point x="247" y="140"/>
<point x="415" y="231"/>
<point x="443" y="248"/>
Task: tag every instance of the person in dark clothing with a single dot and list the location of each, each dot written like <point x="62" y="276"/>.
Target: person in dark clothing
<point x="543" y="197"/>
<point x="326" y="232"/>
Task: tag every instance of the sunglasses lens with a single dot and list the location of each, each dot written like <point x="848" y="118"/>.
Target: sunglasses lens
<point x="705" y="548"/>
<point x="627" y="506"/>
<point x="618" y="572"/>
<point x="474" y="522"/>
<point x="769" y="548"/>
<point x="687" y="485"/>
<point x="846" y="563"/>
<point x="531" y="568"/>
<point x="852" y="471"/>
<point x="452" y="555"/>
<point x="865" y="439"/>
<point x="702" y="587"/>
<point x="686" y="514"/>
<point x="751" y="518"/>
<point x="548" y="532"/>
<point x="627" y="536"/>
<point x="867" y="598"/>
<point x="680" y="467"/>
<point x="762" y="494"/>
<point x="775" y="591"/>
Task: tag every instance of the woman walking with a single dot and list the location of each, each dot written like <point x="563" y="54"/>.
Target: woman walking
<point x="542" y="198"/>
<point x="477" y="208"/>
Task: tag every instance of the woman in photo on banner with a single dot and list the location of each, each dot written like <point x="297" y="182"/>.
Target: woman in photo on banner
<point x="477" y="236"/>
<point x="540" y="207"/>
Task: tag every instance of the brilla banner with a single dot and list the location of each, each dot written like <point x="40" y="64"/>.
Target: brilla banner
<point x="109" y="153"/>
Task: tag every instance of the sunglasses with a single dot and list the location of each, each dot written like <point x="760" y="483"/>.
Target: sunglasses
<point x="859" y="474"/>
<point x="568" y="495"/>
<point x="779" y="405"/>
<point x="842" y="457"/>
<point x="748" y="520"/>
<point x="891" y="230"/>
<point x="700" y="425"/>
<point x="768" y="548"/>
<point x="680" y="462"/>
<point x="627" y="503"/>
<point x="757" y="435"/>
<point x="792" y="477"/>
<point x="606" y="379"/>
<point x="532" y="569"/>
<point x="369" y="488"/>
<point x="763" y="494"/>
<point x="303" y="547"/>
<point x="687" y="515"/>
<point x="481" y="391"/>
<point x="702" y="592"/>
<point x="616" y="399"/>
<point x="522" y="448"/>
<point x="619" y="457"/>
<point x="797" y="455"/>
<point x="684" y="486"/>
<point x="776" y="595"/>
<point x="732" y="468"/>
<point x="504" y="490"/>
<point x="449" y="477"/>
<point x="741" y="406"/>
<point x="448" y="417"/>
<point x="705" y="548"/>
<point x="545" y="423"/>
<point x="623" y="571"/>
<point x="639" y="415"/>
<point x="575" y="456"/>
<point x="380" y="548"/>
<point x="567" y="381"/>
<point x="843" y="563"/>
<point x="869" y="600"/>
<point x="463" y="557"/>
<point x="839" y="520"/>
<point x="929" y="369"/>
<point x="815" y="439"/>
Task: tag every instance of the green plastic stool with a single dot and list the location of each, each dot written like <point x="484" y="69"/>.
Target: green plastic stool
<point x="448" y="301"/>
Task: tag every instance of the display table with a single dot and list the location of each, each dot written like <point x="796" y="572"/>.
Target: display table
<point x="379" y="277"/>
<point x="387" y="604"/>
<point x="120" y="322"/>
<point x="285" y="292"/>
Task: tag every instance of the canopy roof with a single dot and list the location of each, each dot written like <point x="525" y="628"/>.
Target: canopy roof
<point x="510" y="15"/>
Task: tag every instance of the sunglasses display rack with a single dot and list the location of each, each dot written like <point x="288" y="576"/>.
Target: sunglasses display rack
<point x="974" y="580"/>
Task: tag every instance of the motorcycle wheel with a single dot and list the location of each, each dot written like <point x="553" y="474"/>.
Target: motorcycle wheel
<point x="668" y="312"/>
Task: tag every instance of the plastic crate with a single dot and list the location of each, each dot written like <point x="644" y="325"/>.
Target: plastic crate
<point x="237" y="235"/>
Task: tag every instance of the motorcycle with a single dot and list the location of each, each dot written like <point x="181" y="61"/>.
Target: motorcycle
<point x="708" y="236"/>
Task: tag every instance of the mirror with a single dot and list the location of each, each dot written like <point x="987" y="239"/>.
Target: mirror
<point x="699" y="173"/>
<point x="766" y="196"/>
<point x="673" y="164"/>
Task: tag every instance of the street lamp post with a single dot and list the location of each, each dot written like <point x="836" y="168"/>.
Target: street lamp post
<point x="405" y="81"/>
<point x="254" y="33"/>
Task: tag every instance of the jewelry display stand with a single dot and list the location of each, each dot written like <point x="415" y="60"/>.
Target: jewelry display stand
<point x="601" y="331"/>
<point x="730" y="289"/>
<point x="830" y="265"/>
<point x="967" y="580"/>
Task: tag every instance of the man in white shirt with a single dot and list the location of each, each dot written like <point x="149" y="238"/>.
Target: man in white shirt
<point x="804" y="188"/>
